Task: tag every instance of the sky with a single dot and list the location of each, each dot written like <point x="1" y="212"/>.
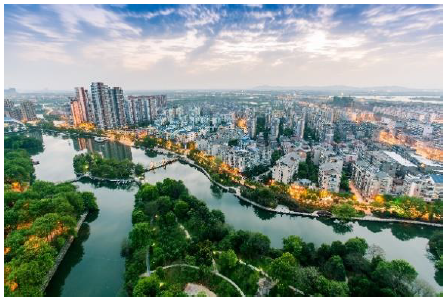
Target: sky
<point x="154" y="47"/>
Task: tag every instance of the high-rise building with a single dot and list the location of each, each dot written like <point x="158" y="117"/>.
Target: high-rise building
<point x="252" y="127"/>
<point x="118" y="107"/>
<point x="28" y="111"/>
<point x="76" y="112"/>
<point x="84" y="103"/>
<point x="274" y="130"/>
<point x="143" y="109"/>
<point x="12" y="111"/>
<point x="102" y="107"/>
<point x="299" y="128"/>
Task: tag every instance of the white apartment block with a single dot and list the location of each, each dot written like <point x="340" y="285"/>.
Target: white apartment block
<point x="329" y="174"/>
<point x="369" y="180"/>
<point x="285" y="168"/>
<point x="428" y="187"/>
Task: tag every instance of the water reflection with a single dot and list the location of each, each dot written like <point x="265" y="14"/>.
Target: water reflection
<point x="263" y="214"/>
<point x="109" y="150"/>
<point x="338" y="226"/>
<point x="72" y="258"/>
<point x="216" y="191"/>
<point x="94" y="276"/>
<point x="110" y="185"/>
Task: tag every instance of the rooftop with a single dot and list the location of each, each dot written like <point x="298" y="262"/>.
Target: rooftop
<point x="398" y="158"/>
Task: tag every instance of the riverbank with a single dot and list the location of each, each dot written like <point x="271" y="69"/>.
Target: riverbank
<point x="93" y="265"/>
<point x="61" y="254"/>
<point x="284" y="210"/>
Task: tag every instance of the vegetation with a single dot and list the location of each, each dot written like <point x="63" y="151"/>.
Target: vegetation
<point x="310" y="134"/>
<point x="233" y="142"/>
<point x="147" y="142"/>
<point x="308" y="170"/>
<point x="18" y="167"/>
<point x="435" y="247"/>
<point x="97" y="166"/>
<point x="407" y="207"/>
<point x="21" y="142"/>
<point x="162" y="210"/>
<point x="37" y="224"/>
<point x="218" y="171"/>
<point x="346" y="211"/>
<point x="255" y="171"/>
<point x="276" y="154"/>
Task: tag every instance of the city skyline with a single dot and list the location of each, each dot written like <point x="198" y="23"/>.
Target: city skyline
<point x="157" y="47"/>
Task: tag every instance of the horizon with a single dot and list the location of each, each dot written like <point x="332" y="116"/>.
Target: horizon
<point x="229" y="47"/>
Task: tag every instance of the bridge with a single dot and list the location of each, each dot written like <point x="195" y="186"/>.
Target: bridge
<point x="162" y="163"/>
<point x="150" y="167"/>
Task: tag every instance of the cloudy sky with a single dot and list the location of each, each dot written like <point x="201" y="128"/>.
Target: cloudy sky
<point x="223" y="47"/>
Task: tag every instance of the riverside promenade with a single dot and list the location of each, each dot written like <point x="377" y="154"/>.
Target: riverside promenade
<point x="283" y="209"/>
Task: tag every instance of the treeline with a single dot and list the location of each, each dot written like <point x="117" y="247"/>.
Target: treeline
<point x="97" y="166"/>
<point x="407" y="207"/>
<point x="19" y="169"/>
<point x="339" y="269"/>
<point x="213" y="166"/>
<point x="37" y="224"/>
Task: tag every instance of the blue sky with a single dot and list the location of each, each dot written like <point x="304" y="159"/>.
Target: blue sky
<point x="229" y="46"/>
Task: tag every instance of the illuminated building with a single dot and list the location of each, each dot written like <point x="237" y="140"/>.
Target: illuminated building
<point x="84" y="104"/>
<point x="102" y="107"/>
<point x="118" y="107"/>
<point x="76" y="112"/>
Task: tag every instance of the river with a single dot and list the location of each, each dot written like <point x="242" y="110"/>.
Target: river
<point x="93" y="265"/>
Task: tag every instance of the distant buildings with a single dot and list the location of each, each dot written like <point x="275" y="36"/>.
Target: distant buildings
<point x="12" y="111"/>
<point x="108" y="108"/>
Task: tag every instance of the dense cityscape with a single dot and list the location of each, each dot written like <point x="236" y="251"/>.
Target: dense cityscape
<point x="130" y="187"/>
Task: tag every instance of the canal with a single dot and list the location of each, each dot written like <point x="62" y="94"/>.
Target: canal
<point x="93" y="265"/>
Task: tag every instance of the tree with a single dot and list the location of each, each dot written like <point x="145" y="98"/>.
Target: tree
<point x="233" y="142"/>
<point x="396" y="276"/>
<point x="139" y="169"/>
<point x="256" y="245"/>
<point x="283" y="269"/>
<point x="435" y="245"/>
<point x="294" y="245"/>
<point x="344" y="211"/>
<point x="89" y="201"/>
<point x="181" y="209"/>
<point x="140" y="235"/>
<point x="147" y="287"/>
<point x="356" y="245"/>
<point x="334" y="268"/>
<point x="204" y="255"/>
<point x="227" y="260"/>
<point x="331" y="288"/>
<point x="147" y="193"/>
<point x="276" y="154"/>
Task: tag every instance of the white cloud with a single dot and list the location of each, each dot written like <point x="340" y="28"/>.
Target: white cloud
<point x="73" y="15"/>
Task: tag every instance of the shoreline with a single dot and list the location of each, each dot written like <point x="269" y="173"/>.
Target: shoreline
<point x="184" y="159"/>
<point x="60" y="257"/>
<point x="288" y="211"/>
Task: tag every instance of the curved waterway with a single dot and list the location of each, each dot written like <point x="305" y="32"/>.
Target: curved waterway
<point x="93" y="265"/>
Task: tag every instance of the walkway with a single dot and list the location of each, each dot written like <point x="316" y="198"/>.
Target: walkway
<point x="283" y="210"/>
<point x="215" y="272"/>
